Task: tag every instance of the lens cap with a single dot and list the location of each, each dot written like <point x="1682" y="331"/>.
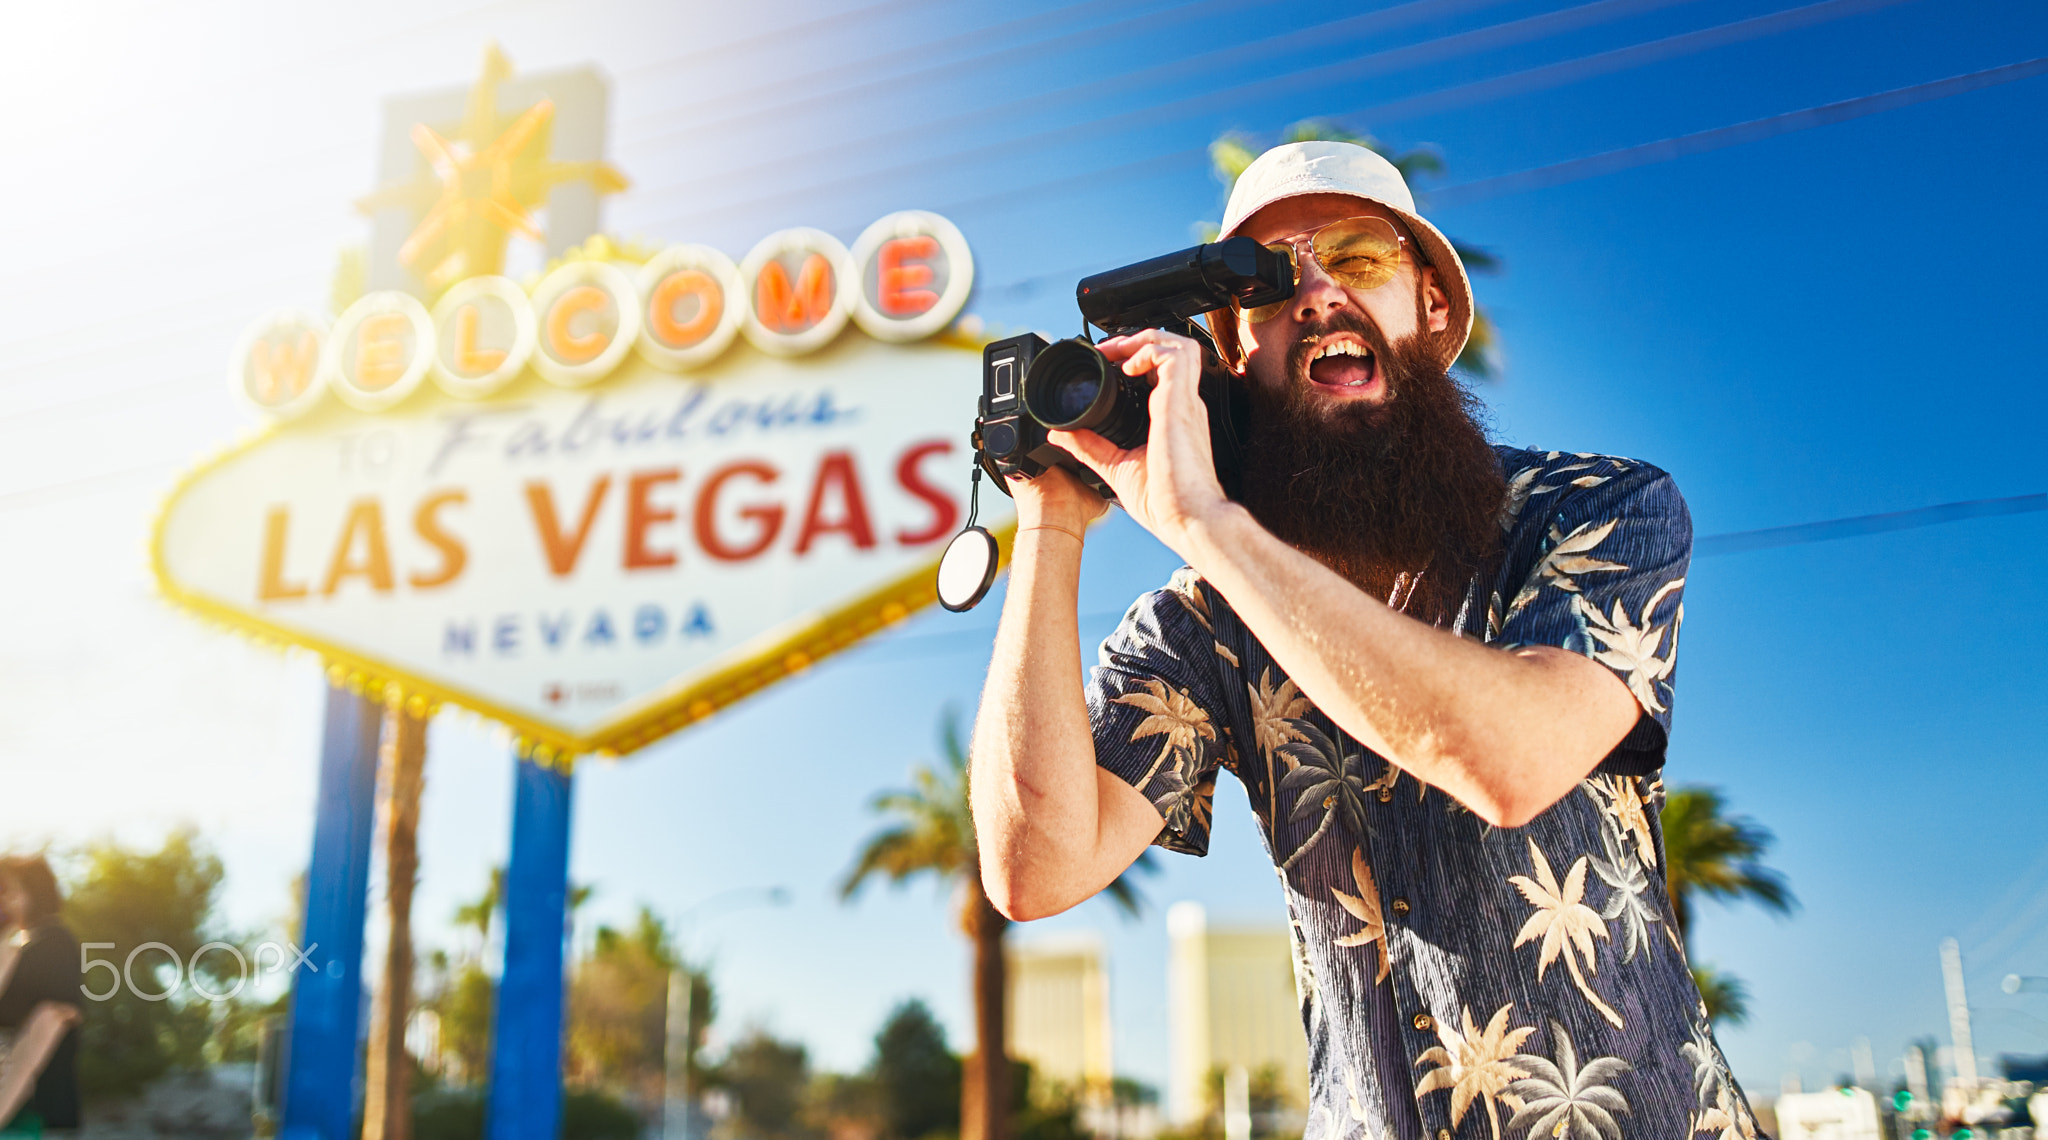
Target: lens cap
<point x="967" y="569"/>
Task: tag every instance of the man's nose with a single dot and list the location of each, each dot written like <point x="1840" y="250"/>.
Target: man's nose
<point x="1315" y="295"/>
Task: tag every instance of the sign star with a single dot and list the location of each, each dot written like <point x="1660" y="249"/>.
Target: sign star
<point x="482" y="184"/>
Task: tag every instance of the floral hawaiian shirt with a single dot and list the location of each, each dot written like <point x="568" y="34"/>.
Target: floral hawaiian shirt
<point x="1457" y="979"/>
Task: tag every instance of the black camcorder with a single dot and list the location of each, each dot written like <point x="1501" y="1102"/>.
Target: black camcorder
<point x="1029" y="385"/>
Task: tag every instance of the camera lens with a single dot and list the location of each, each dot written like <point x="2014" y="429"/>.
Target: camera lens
<point x="1070" y="394"/>
<point x="1071" y="386"/>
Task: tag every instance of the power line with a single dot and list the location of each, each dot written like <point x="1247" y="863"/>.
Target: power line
<point x="1436" y="50"/>
<point x="1680" y="146"/>
<point x="1571" y="170"/>
<point x="1468" y="94"/>
<point x="778" y="39"/>
<point x="1569" y="71"/>
<point x="1219" y="60"/>
<point x="1742" y="542"/>
<point x="1003" y="36"/>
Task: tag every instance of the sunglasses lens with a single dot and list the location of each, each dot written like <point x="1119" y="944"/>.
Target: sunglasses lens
<point x="1359" y="253"/>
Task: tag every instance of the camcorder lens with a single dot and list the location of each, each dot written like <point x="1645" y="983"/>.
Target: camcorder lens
<point x="1072" y="387"/>
<point x="1070" y="393"/>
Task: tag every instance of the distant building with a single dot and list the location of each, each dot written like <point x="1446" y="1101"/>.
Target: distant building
<point x="1231" y="1002"/>
<point x="1837" y="1114"/>
<point x="1057" y="1012"/>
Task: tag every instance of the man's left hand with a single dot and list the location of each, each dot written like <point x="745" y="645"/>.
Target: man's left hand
<point x="1169" y="483"/>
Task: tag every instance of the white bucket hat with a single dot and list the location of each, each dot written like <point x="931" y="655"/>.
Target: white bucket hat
<point x="1294" y="169"/>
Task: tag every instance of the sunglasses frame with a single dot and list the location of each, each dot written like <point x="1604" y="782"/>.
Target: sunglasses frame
<point x="1292" y="245"/>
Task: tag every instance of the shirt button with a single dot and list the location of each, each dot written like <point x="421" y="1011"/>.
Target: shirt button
<point x="1423" y="1022"/>
<point x="1386" y="794"/>
<point x="1401" y="906"/>
<point x="1443" y="1134"/>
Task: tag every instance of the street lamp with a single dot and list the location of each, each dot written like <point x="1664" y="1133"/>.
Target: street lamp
<point x="2016" y="984"/>
<point x="677" y="1110"/>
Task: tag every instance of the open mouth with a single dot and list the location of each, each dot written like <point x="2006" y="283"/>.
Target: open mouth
<point x="1344" y="362"/>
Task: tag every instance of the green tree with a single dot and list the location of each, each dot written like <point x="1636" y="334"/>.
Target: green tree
<point x="1724" y="994"/>
<point x="465" y="1006"/>
<point x="934" y="835"/>
<point x="1709" y="852"/>
<point x="618" y="1007"/>
<point x="465" y="996"/>
<point x="767" y="1079"/>
<point x="918" y="1077"/>
<point x="1232" y="153"/>
<point x="129" y="899"/>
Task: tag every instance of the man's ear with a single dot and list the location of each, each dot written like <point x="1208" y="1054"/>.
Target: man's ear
<point x="1436" y="304"/>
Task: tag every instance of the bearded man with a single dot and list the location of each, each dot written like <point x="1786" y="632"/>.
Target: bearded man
<point x="1442" y="670"/>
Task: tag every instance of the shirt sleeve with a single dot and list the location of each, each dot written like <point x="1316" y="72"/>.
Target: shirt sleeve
<point x="1607" y="580"/>
<point x="1153" y="708"/>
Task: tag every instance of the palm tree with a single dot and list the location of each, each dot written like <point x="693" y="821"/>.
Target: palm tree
<point x="1627" y="882"/>
<point x="1476" y="1065"/>
<point x="387" y="1070"/>
<point x="478" y="914"/>
<point x="934" y="835"/>
<point x="1365" y="907"/>
<point x="1230" y="155"/>
<point x="1564" y="922"/>
<point x="1707" y="851"/>
<point x="1566" y="1100"/>
<point x="1724" y="994"/>
<point x="1325" y="778"/>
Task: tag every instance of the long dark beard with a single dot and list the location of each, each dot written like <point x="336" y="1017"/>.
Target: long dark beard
<point x="1402" y="498"/>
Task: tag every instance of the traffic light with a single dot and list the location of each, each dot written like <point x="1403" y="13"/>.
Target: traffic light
<point x="1902" y="1100"/>
<point x="1923" y="1134"/>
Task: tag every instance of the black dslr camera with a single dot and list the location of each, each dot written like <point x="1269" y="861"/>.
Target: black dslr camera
<point x="1028" y="385"/>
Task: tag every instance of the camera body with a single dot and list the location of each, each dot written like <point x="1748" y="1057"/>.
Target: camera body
<point x="1030" y="385"/>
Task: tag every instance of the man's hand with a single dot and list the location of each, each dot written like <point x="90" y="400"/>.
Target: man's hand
<point x="1056" y="499"/>
<point x="1169" y="483"/>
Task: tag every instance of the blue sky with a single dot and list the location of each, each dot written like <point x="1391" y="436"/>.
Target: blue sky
<point x="1832" y="322"/>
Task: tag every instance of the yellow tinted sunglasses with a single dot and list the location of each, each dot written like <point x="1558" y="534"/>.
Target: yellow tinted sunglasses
<point x="1358" y="253"/>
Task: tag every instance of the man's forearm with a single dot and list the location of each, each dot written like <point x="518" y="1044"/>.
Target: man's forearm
<point x="1032" y="780"/>
<point x="1506" y="734"/>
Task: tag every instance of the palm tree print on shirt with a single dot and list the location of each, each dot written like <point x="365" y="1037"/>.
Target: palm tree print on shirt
<point x="1570" y="554"/>
<point x="1273" y="711"/>
<point x="1186" y="585"/>
<point x="1477" y="1065"/>
<point x="1630" y="648"/>
<point x="1177" y="718"/>
<point x="1365" y="907"/>
<point x="1326" y="778"/>
<point x="1719" y="1110"/>
<point x="1565" y="923"/>
<point x="1567" y="1101"/>
<point x="1621" y="797"/>
<point x="1522" y="485"/>
<point x="1627" y="883"/>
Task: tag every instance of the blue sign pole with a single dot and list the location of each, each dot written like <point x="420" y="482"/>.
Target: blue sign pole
<point x="526" y="1057"/>
<point x="327" y="987"/>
